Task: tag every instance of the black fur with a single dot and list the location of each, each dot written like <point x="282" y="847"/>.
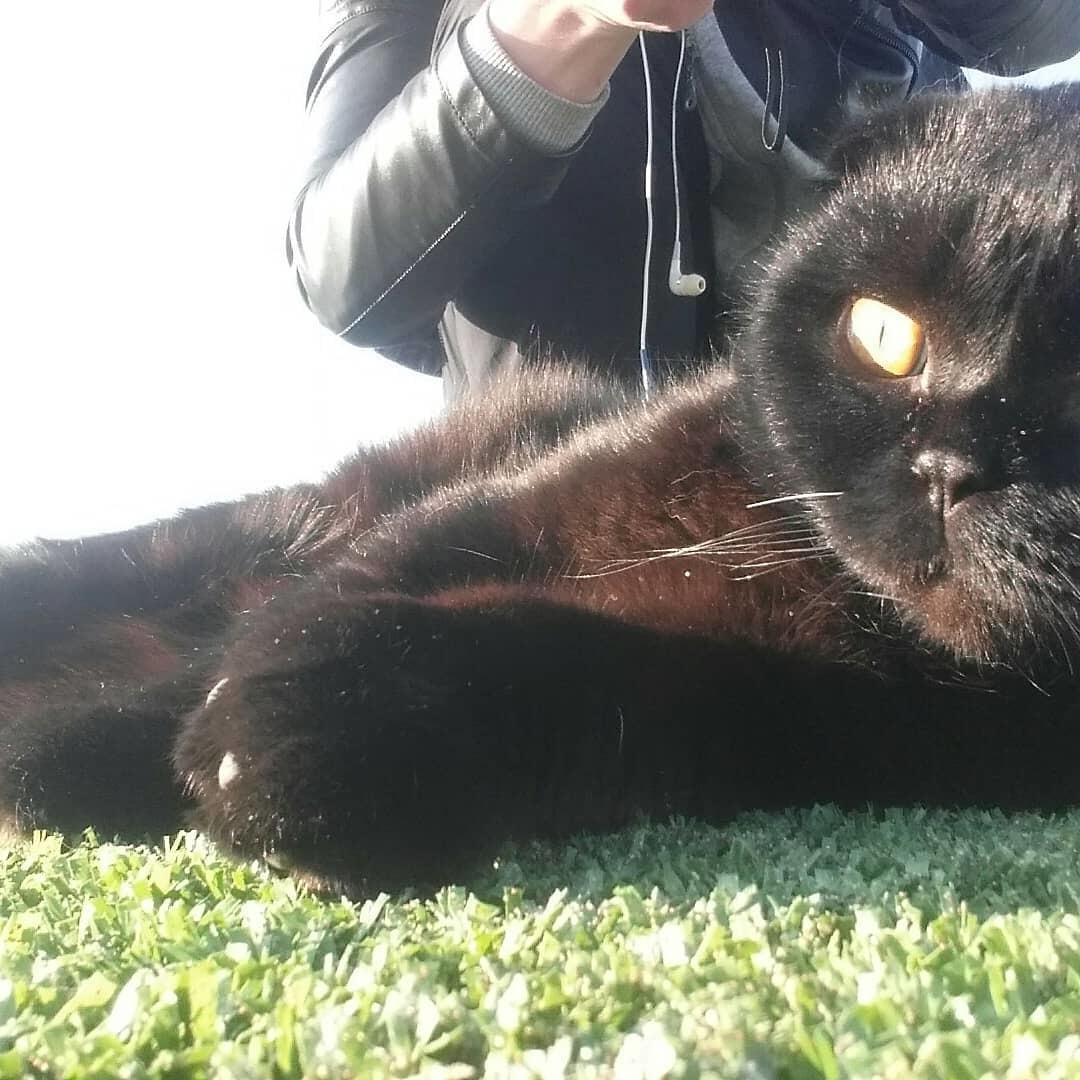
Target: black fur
<point x="559" y="608"/>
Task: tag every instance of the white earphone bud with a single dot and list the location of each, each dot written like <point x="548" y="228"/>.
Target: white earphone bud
<point x="683" y="284"/>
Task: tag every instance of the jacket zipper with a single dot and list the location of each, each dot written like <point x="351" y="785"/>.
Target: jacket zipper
<point x="894" y="41"/>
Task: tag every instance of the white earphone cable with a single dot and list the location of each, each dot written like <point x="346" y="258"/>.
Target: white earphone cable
<point x="676" y="246"/>
<point x="646" y="364"/>
<point x="680" y="284"/>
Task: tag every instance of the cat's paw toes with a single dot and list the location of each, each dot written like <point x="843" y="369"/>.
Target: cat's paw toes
<point x="254" y="780"/>
<point x="312" y="751"/>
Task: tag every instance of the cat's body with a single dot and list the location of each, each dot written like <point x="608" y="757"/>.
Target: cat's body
<point x="806" y="580"/>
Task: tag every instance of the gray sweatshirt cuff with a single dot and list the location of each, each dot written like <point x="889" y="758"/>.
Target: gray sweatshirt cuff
<point x="539" y="118"/>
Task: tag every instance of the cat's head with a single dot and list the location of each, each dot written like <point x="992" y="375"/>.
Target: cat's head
<point x="915" y="347"/>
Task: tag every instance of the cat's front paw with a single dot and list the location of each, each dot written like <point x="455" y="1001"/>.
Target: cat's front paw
<point x="334" y="743"/>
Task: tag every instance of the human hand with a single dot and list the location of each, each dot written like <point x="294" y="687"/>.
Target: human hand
<point x="571" y="47"/>
<point x="635" y="15"/>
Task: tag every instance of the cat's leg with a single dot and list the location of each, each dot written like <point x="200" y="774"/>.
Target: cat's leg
<point x="133" y="606"/>
<point x="104" y="762"/>
<point x="105" y="643"/>
<point x="377" y="740"/>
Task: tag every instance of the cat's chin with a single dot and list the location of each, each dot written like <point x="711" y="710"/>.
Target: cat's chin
<point x="946" y="613"/>
<point x="981" y="626"/>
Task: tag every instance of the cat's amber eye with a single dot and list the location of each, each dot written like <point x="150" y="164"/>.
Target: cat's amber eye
<point x="885" y="338"/>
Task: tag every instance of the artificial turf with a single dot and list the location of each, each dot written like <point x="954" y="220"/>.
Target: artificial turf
<point x="808" y="944"/>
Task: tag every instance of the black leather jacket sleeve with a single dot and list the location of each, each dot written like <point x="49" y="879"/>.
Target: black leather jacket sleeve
<point x="412" y="178"/>
<point x="1004" y="37"/>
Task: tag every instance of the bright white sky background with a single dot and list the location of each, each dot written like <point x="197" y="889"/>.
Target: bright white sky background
<point x="153" y="351"/>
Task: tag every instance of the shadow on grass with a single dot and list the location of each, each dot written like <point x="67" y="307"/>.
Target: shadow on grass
<point x="990" y="860"/>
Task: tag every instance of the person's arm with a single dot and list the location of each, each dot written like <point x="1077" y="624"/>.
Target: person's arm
<point x="1005" y="37"/>
<point x="418" y="170"/>
<point x="410" y="173"/>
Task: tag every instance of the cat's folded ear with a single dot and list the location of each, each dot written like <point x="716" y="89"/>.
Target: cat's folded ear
<point x="906" y="126"/>
<point x="867" y="139"/>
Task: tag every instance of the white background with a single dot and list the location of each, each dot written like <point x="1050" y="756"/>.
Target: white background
<point x="153" y="350"/>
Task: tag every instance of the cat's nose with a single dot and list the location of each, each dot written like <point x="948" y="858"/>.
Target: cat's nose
<point x="950" y="477"/>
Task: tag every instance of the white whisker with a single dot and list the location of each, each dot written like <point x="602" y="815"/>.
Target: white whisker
<point x="766" y="544"/>
<point x="795" y="498"/>
<point x="478" y="554"/>
<point x="765" y="568"/>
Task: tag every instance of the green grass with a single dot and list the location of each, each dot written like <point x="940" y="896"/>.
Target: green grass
<point x="799" y="945"/>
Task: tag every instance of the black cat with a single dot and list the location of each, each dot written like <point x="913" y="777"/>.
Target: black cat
<point x="845" y="567"/>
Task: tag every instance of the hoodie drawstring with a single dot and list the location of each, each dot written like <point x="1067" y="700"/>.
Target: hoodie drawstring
<point x="775" y="86"/>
